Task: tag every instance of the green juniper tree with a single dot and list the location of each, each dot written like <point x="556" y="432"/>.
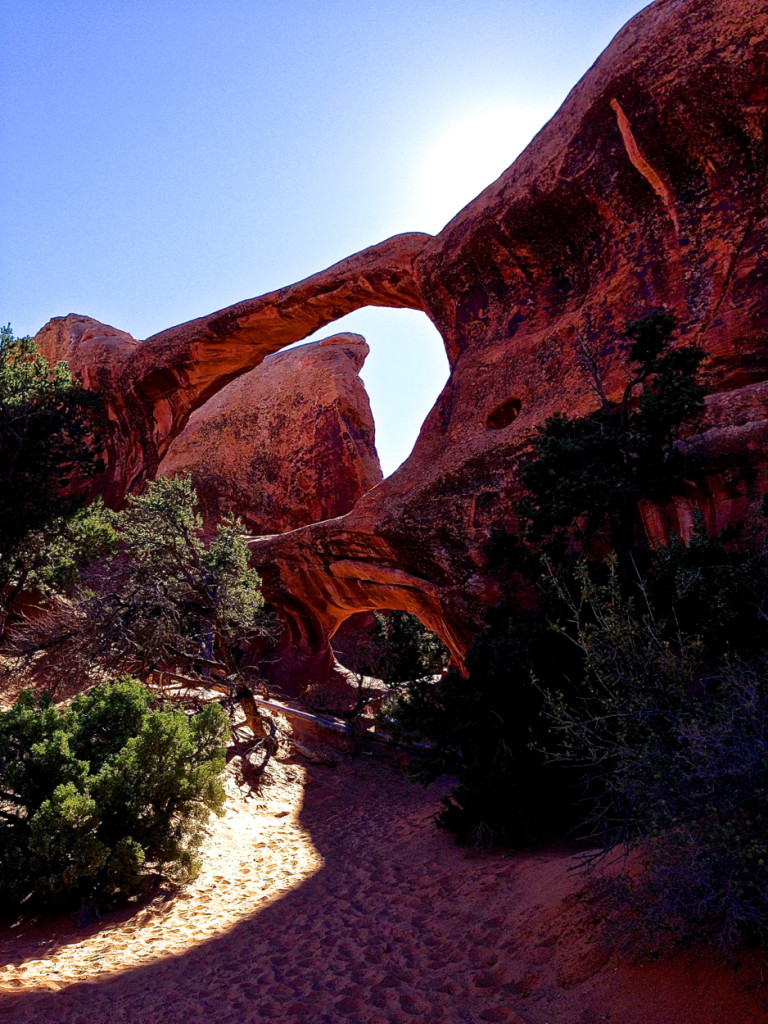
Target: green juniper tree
<point x="100" y="797"/>
<point x="46" y="424"/>
<point x="167" y="598"/>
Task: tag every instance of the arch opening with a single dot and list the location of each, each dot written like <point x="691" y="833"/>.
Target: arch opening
<point x="390" y="645"/>
<point x="374" y="654"/>
<point x="405" y="372"/>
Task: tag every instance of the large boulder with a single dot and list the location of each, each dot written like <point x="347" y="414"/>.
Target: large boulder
<point x="289" y="443"/>
<point x="647" y="189"/>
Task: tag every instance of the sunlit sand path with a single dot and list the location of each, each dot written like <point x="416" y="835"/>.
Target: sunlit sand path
<point x="253" y="854"/>
<point x="332" y="899"/>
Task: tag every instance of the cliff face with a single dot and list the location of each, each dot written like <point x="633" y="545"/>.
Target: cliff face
<point x="289" y="443"/>
<point x="647" y="189"/>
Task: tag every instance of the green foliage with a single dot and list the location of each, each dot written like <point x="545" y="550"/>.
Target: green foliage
<point x="412" y="651"/>
<point x="178" y="597"/>
<point x="53" y="559"/>
<point x="46" y="421"/>
<point x="94" y="793"/>
<point x="488" y="731"/>
<point x="628" y="712"/>
<point x="678" y="765"/>
<point x="399" y="649"/>
<point x="167" y="598"/>
<point x="593" y="471"/>
<point x="43" y="430"/>
<point x="714" y="587"/>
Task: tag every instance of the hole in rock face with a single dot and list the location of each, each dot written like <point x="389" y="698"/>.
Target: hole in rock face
<point x="504" y="414"/>
<point x="392" y="646"/>
<point x="403" y="375"/>
<point x="380" y="651"/>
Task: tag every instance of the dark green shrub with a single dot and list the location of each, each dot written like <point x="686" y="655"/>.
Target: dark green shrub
<point x="677" y="751"/>
<point x="95" y="795"/>
<point x="399" y="648"/>
<point x="587" y="475"/>
<point x="177" y="597"/>
<point x="47" y="423"/>
<point x="488" y="731"/>
<point x="715" y="587"/>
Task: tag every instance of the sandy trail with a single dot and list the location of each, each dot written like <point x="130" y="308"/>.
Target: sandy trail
<point x="333" y="899"/>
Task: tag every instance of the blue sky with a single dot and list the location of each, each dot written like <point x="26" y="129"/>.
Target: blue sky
<point x="166" y="158"/>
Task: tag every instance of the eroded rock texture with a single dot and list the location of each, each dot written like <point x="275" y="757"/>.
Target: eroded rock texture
<point x="289" y="443"/>
<point x="646" y="190"/>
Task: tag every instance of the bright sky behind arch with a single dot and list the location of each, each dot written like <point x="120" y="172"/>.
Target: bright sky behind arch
<point x="166" y="158"/>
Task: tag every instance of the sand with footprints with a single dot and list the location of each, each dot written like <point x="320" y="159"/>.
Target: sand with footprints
<point x="330" y="898"/>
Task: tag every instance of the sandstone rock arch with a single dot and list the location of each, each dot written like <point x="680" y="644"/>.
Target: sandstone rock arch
<point x="647" y="189"/>
<point x="359" y="573"/>
<point x="152" y="387"/>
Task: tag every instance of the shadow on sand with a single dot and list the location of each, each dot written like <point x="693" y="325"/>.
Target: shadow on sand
<point x="400" y="926"/>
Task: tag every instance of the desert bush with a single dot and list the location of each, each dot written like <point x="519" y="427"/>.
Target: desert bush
<point x="676" y="749"/>
<point x="168" y="597"/>
<point x="408" y="649"/>
<point x="99" y="797"/>
<point x="46" y="452"/>
<point x="487" y="730"/>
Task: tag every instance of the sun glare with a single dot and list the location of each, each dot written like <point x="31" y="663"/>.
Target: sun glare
<point x="467" y="156"/>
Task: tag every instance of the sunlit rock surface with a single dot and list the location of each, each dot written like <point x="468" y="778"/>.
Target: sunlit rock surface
<point x="152" y="387"/>
<point x="289" y="443"/>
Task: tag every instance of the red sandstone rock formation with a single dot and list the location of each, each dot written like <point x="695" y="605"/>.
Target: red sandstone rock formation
<point x="647" y="189"/>
<point x="290" y="443"/>
<point x="152" y="387"/>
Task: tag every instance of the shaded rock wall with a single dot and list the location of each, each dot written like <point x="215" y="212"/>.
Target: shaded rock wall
<point x="647" y="189"/>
